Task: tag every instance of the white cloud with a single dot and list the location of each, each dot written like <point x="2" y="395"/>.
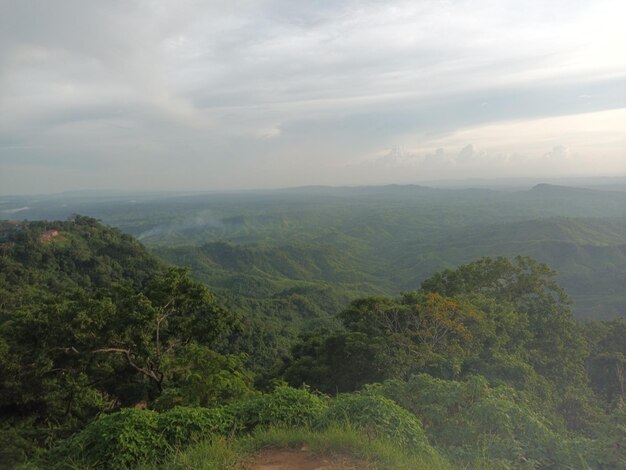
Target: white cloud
<point x="268" y="132"/>
<point x="573" y="145"/>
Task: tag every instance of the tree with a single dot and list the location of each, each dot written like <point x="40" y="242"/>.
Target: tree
<point x="606" y="364"/>
<point x="387" y="338"/>
<point x="91" y="322"/>
<point x="551" y="343"/>
<point x="152" y="326"/>
<point x="555" y="347"/>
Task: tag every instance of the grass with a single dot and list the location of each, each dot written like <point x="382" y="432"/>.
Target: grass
<point x="216" y="454"/>
<point x="375" y="454"/>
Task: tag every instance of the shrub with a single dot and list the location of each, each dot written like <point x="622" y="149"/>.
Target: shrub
<point x="18" y="442"/>
<point x="472" y="421"/>
<point x="112" y="441"/>
<point x="284" y="406"/>
<point x="132" y="436"/>
<point x="378" y="417"/>
<point x="181" y="426"/>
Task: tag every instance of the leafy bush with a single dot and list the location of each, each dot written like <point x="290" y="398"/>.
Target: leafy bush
<point x="284" y="406"/>
<point x="378" y="417"/>
<point x="17" y="443"/>
<point x="610" y="445"/>
<point x="132" y="436"/>
<point x="112" y="441"/>
<point x="471" y="421"/>
<point x="199" y="376"/>
<point x="181" y="426"/>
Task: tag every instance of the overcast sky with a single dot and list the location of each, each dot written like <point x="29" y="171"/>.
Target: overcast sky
<point x="183" y="94"/>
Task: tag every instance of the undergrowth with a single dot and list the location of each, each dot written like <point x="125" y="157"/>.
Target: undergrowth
<point x="372" y="454"/>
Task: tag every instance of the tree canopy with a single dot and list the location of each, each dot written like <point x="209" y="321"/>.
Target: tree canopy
<point x="89" y="322"/>
<point x="504" y="319"/>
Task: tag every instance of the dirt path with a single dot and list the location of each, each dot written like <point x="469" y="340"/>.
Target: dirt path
<point x="288" y="459"/>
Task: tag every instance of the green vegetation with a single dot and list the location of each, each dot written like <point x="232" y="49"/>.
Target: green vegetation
<point x="377" y="417"/>
<point x="286" y="417"/>
<point x="93" y="323"/>
<point x="298" y="255"/>
<point x="372" y="453"/>
<point x="467" y="419"/>
<point x="110" y="358"/>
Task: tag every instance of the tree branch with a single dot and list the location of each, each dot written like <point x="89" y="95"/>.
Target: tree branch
<point x="126" y="352"/>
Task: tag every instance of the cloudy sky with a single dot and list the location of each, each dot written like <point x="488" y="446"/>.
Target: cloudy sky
<point x="185" y="94"/>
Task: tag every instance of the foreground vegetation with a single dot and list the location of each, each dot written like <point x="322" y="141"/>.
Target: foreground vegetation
<point x="491" y="432"/>
<point x="109" y="358"/>
<point x="370" y="453"/>
<point x="286" y="417"/>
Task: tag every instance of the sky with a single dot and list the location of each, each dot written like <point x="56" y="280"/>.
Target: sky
<point x="212" y="95"/>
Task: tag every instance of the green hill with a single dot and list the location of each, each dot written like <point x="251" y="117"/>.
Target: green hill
<point x="378" y="254"/>
<point x="90" y="322"/>
<point x="588" y="255"/>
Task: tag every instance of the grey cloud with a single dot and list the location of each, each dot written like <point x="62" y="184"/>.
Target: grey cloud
<point x="272" y="89"/>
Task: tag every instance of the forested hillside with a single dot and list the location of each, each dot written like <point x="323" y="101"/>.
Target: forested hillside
<point x="265" y="246"/>
<point x="90" y="322"/>
<point x="111" y="359"/>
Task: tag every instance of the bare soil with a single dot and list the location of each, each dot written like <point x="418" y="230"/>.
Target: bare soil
<point x="289" y="459"/>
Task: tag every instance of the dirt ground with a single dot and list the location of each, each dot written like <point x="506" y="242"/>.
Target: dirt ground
<point x="289" y="459"/>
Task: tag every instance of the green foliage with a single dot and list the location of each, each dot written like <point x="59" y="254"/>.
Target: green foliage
<point x="214" y="454"/>
<point x="506" y="320"/>
<point x="611" y="443"/>
<point x="199" y="376"/>
<point x="181" y="426"/>
<point x="545" y="335"/>
<point x="556" y="349"/>
<point x="387" y="338"/>
<point x="371" y="453"/>
<point x="284" y="406"/>
<point x="18" y="442"/>
<point x="471" y="420"/>
<point x="113" y="441"/>
<point x="282" y="289"/>
<point x="377" y="416"/>
<point x="339" y="361"/>
<point x="89" y="322"/>
<point x="606" y="364"/>
<point x="132" y="436"/>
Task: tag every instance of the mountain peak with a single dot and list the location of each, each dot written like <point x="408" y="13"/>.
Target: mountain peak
<point x="555" y="188"/>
